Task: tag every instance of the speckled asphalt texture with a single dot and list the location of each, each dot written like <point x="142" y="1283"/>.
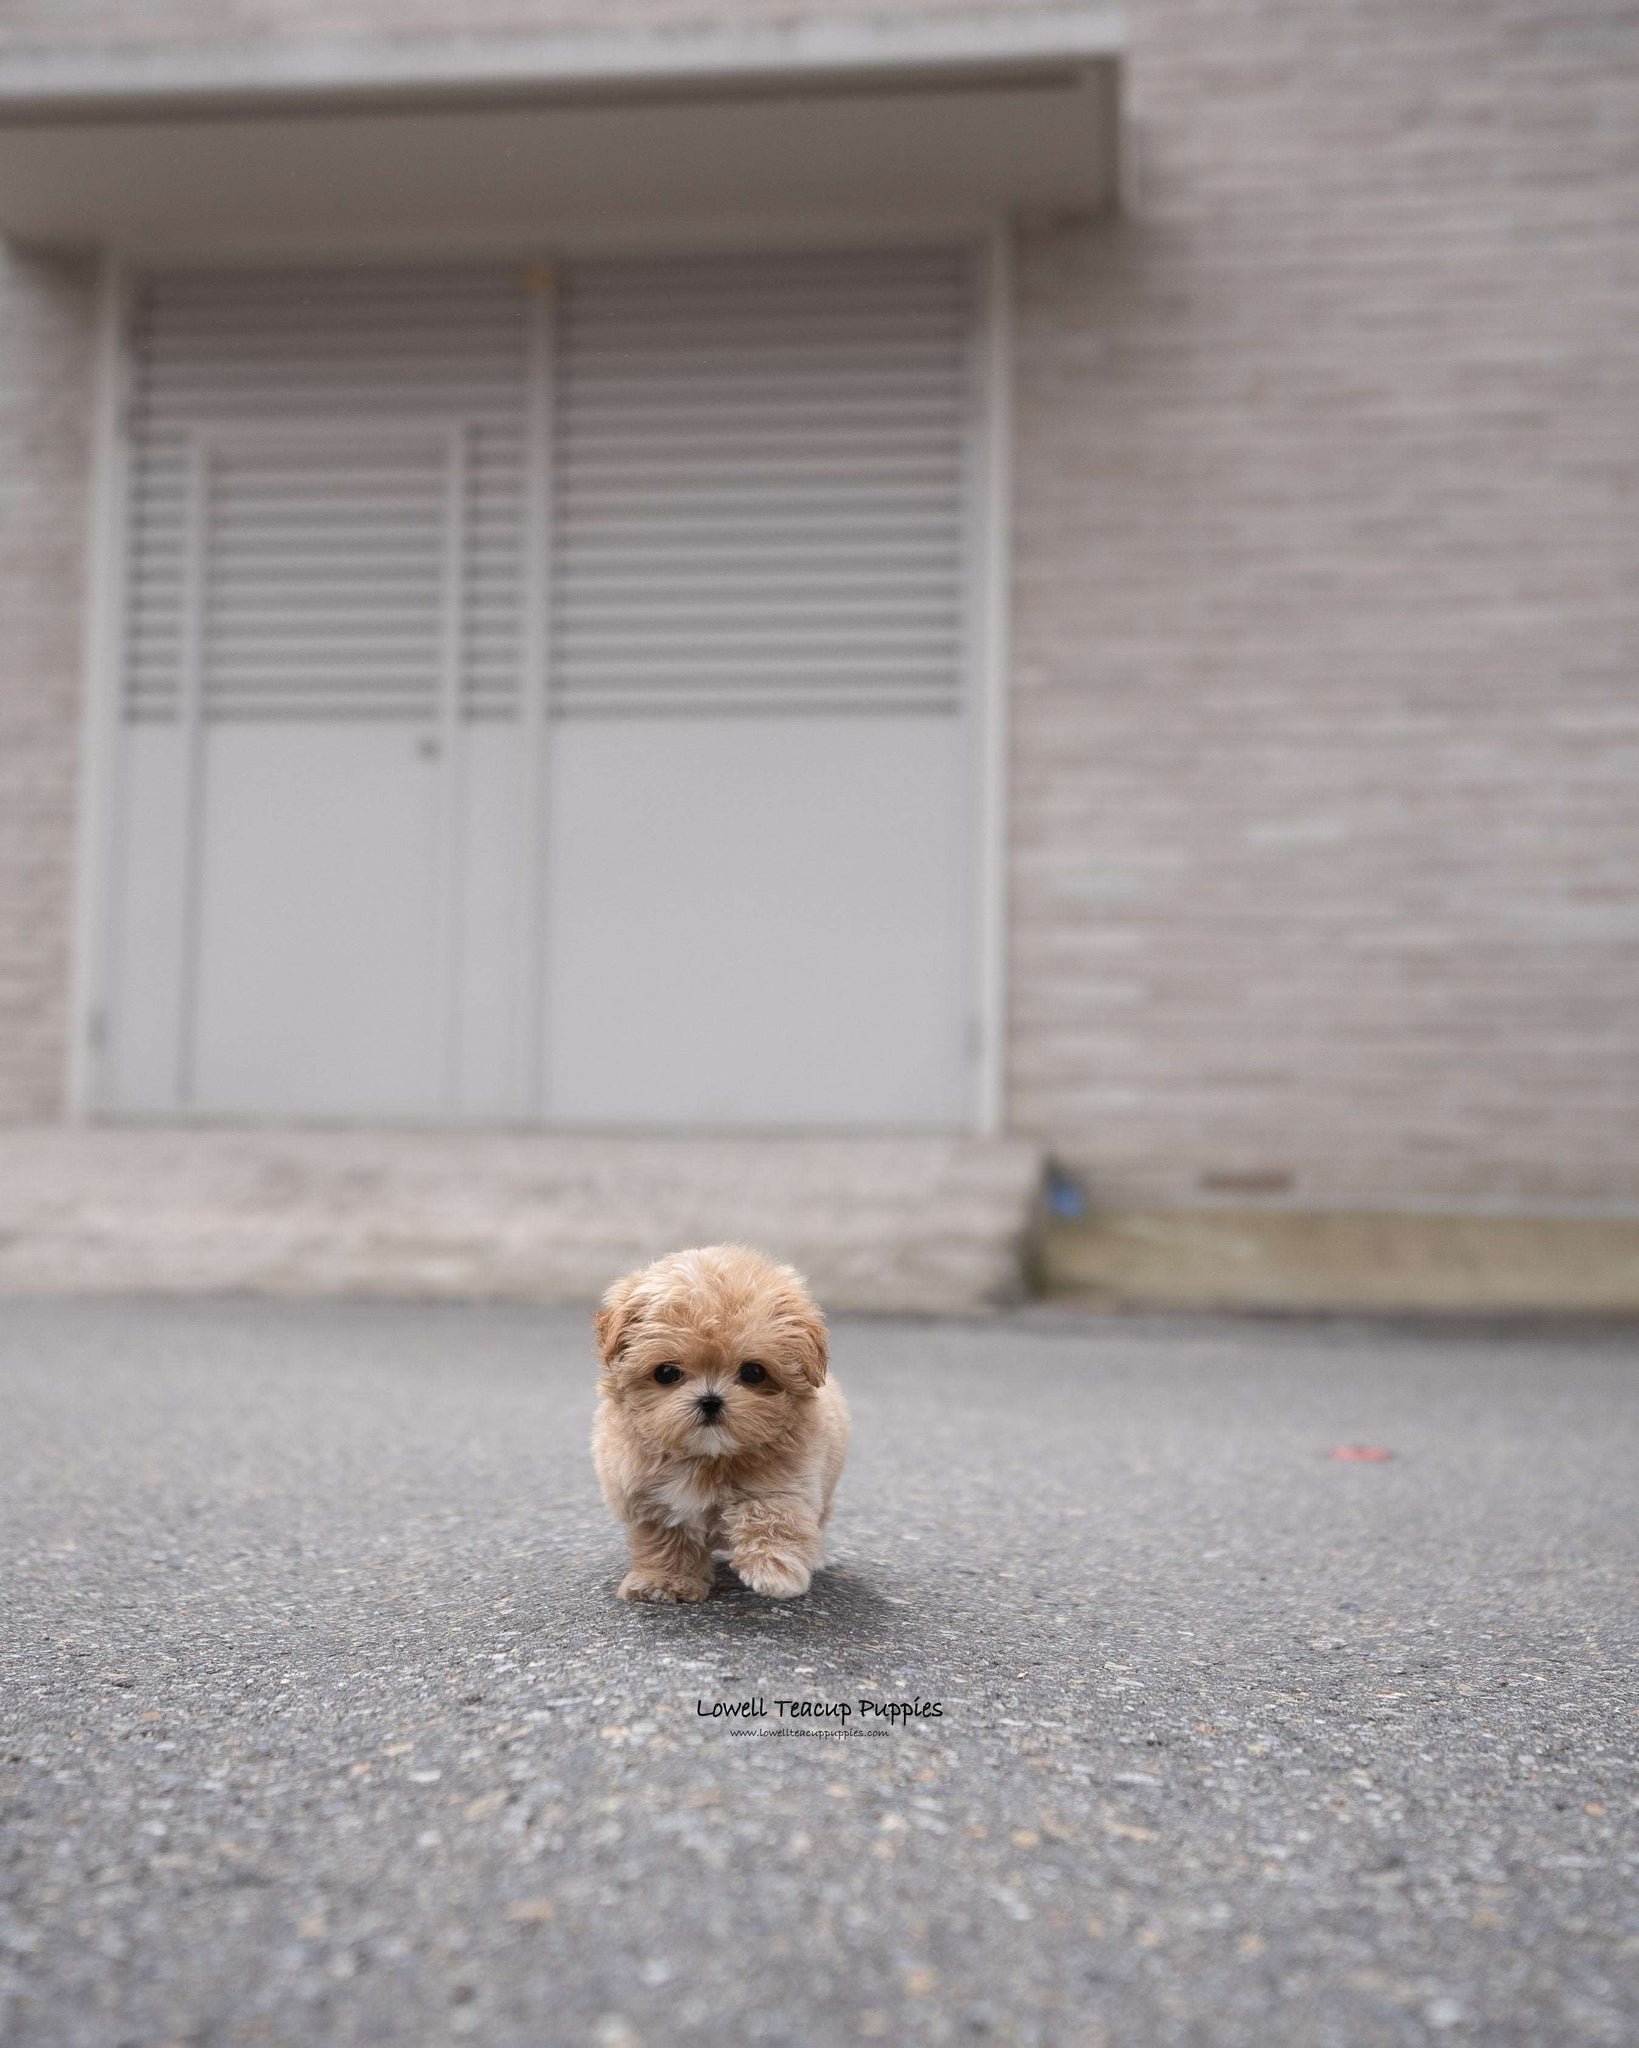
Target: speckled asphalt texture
<point x="319" y="1721"/>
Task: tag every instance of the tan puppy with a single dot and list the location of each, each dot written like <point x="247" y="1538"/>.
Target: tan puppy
<point x="718" y="1431"/>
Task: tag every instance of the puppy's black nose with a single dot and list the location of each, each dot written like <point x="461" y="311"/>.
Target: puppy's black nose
<point x="710" y="1406"/>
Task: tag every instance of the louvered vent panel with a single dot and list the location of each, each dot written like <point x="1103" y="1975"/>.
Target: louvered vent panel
<point x="325" y="589"/>
<point x="761" y="484"/>
<point x="322" y="566"/>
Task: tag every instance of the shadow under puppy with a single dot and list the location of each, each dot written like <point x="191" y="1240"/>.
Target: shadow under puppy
<point x="718" y="1431"/>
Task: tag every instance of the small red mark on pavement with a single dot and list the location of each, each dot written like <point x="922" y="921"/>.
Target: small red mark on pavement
<point x="1361" y="1454"/>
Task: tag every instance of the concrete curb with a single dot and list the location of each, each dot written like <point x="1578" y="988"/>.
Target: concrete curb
<point x="1344" y="1261"/>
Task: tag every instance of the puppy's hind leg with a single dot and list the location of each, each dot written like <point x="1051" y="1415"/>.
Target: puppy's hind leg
<point x="668" y="1564"/>
<point x="775" y="1544"/>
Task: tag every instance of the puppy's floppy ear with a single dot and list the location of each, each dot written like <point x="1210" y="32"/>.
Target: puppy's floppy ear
<point x="615" y="1317"/>
<point x="813" y="1340"/>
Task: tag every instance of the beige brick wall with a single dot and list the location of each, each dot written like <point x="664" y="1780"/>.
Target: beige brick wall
<point x="1326" y="727"/>
<point x="109" y="24"/>
<point x="45" y="377"/>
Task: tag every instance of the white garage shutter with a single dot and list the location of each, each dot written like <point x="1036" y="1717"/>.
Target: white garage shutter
<point x="718" y="519"/>
<point x="761" y="486"/>
<point x="760" y="874"/>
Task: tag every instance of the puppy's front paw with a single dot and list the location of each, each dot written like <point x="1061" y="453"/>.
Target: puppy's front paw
<point x="781" y="1578"/>
<point x="658" y="1586"/>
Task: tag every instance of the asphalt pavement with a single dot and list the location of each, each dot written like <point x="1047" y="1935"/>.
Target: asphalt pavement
<point x="319" y="1721"/>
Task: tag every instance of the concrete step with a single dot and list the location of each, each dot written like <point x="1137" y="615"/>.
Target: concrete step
<point x="926" y="1224"/>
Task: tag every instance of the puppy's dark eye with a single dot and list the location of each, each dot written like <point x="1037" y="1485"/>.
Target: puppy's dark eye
<point x="668" y="1375"/>
<point x="751" y="1372"/>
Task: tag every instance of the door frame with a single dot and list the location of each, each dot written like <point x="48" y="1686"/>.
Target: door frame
<point x="100" y="783"/>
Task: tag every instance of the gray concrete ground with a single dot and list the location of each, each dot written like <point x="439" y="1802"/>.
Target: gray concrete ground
<point x="319" y="1722"/>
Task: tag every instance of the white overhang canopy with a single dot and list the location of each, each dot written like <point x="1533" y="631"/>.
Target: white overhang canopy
<point x="848" y="121"/>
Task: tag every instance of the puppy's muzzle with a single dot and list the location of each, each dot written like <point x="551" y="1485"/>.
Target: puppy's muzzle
<point x="708" y="1407"/>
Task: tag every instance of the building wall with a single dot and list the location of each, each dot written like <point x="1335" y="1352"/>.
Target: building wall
<point x="1327" y="730"/>
<point x="1325" y="864"/>
<point x="46" y="324"/>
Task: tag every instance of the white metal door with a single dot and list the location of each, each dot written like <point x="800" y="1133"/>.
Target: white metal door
<point x="760" y="860"/>
<point x="317" y="974"/>
<point x="319" y="888"/>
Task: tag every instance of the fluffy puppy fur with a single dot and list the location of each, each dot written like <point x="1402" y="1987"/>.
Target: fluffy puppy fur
<point x="719" y="1431"/>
